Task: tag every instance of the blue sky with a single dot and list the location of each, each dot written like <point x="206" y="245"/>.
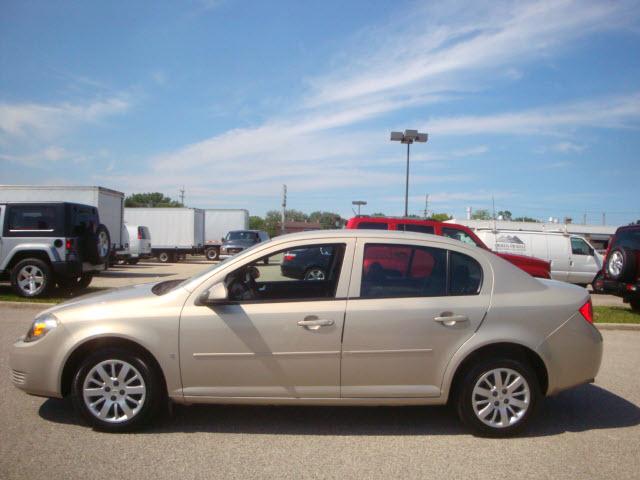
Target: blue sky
<point x="534" y="104"/>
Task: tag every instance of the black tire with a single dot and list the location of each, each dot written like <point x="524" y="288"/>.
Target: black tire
<point x="212" y="254"/>
<point x="635" y="304"/>
<point x="465" y="397"/>
<point x="98" y="245"/>
<point x="42" y="276"/>
<point x="133" y="261"/>
<point x="164" y="257"/>
<point x="624" y="272"/>
<point x="151" y="400"/>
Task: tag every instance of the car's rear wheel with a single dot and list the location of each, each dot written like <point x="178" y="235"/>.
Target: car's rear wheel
<point x="315" y="274"/>
<point x="635" y="304"/>
<point x="31" y="277"/>
<point x="116" y="390"/>
<point x="498" y="397"/>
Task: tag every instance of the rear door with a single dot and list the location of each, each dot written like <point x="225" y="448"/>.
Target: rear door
<point x="559" y="256"/>
<point x="410" y="307"/>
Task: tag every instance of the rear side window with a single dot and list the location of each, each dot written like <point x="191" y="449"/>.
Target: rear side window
<point x="372" y="226"/>
<point x="397" y="271"/>
<point x="411" y="227"/>
<point x="33" y="220"/>
<point x="628" y="239"/>
<point x="143" y="233"/>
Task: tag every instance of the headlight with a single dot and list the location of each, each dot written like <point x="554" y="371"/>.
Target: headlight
<point x="40" y="327"/>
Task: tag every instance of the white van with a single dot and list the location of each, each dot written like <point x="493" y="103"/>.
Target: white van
<point x="137" y="243"/>
<point x="572" y="258"/>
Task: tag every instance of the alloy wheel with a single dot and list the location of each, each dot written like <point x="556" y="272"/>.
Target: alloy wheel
<point x="114" y="391"/>
<point x="31" y="280"/>
<point x="315" y="274"/>
<point x="501" y="397"/>
<point x="615" y="264"/>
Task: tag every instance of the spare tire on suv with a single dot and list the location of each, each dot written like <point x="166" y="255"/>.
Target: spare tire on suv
<point x="621" y="264"/>
<point x="97" y="245"/>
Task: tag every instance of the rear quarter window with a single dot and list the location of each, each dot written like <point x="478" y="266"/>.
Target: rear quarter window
<point x="372" y="226"/>
<point x="33" y="221"/>
<point x="628" y="239"/>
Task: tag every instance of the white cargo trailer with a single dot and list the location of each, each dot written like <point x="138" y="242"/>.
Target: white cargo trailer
<point x="110" y="203"/>
<point x="175" y="231"/>
<point x="218" y="222"/>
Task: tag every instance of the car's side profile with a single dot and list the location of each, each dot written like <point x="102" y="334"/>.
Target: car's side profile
<point x="443" y="322"/>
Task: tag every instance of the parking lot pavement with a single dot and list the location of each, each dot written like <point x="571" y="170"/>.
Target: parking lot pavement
<point x="589" y="432"/>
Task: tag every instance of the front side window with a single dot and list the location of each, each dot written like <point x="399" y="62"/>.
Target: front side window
<point x="457" y="234"/>
<point x="301" y="273"/>
<point x="579" y="246"/>
<point x="397" y="271"/>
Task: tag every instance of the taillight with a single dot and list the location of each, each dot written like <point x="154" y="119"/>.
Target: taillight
<point x="68" y="244"/>
<point x="586" y="311"/>
<point x="289" y="256"/>
<point x="139" y="234"/>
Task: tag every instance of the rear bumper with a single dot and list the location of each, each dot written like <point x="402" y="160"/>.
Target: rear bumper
<point x="572" y="354"/>
<point x="621" y="289"/>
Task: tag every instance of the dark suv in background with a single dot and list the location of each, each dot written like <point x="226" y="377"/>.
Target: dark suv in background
<point x="48" y="243"/>
<point x="237" y="240"/>
<point x="621" y="268"/>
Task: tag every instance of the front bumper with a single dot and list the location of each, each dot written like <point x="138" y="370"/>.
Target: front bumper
<point x="572" y="354"/>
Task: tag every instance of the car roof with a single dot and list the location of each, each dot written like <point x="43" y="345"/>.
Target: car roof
<point x="368" y="234"/>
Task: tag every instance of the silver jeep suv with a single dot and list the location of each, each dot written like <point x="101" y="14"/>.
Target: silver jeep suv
<point x="47" y="243"/>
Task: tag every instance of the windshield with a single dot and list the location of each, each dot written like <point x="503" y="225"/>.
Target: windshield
<point x="241" y="236"/>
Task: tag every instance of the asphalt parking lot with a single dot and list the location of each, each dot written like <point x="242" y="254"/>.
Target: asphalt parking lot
<point x="589" y="432"/>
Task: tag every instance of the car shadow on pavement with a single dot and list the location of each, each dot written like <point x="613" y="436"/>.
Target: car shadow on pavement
<point x="584" y="408"/>
<point x="127" y="274"/>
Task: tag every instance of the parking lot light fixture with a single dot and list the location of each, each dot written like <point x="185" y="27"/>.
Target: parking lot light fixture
<point x="359" y="203"/>
<point x="408" y="137"/>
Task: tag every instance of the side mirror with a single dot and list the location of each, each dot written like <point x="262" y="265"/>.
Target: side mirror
<point x="216" y="295"/>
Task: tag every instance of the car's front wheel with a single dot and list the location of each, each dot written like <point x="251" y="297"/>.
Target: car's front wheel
<point x="116" y="390"/>
<point x="498" y="397"/>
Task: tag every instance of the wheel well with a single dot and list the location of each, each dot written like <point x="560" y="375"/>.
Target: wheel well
<point x="19" y="256"/>
<point x="505" y="350"/>
<point x="87" y="348"/>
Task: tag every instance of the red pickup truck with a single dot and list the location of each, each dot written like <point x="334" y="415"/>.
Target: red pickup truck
<point x="533" y="266"/>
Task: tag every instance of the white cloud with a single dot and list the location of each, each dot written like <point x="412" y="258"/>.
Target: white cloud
<point x="568" y="147"/>
<point x="51" y="154"/>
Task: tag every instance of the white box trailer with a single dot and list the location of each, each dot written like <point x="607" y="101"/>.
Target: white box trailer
<point x="217" y="223"/>
<point x="174" y="231"/>
<point x="110" y="203"/>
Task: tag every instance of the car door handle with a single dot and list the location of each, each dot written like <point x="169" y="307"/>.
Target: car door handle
<point x="450" y="320"/>
<point x="314" y="323"/>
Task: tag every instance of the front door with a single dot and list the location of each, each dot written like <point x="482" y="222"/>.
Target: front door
<point x="410" y="308"/>
<point x="279" y="335"/>
<point x="583" y="264"/>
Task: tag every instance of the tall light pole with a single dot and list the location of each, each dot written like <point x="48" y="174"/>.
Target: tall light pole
<point x="408" y="137"/>
<point x="359" y="203"/>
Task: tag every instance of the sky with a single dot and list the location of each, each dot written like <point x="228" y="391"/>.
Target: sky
<point x="533" y="106"/>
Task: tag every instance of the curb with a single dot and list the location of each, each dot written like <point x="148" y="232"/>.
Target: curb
<point x="19" y="305"/>
<point x="618" y="326"/>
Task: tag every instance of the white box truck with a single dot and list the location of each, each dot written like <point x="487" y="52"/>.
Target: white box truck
<point x="110" y="203"/>
<point x="218" y="222"/>
<point x="175" y="231"/>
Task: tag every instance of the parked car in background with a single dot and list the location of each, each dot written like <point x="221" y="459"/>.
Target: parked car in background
<point x="176" y="232"/>
<point x="47" y="243"/>
<point x="451" y="323"/>
<point x="217" y="223"/>
<point x="238" y="240"/>
<point x="621" y="271"/>
<point x="307" y="263"/>
<point x="572" y="258"/>
<point x="137" y="240"/>
<point x="533" y="266"/>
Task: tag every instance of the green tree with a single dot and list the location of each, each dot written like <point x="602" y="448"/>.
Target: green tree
<point x="272" y="223"/>
<point x="151" y="199"/>
<point x="481" y="214"/>
<point x="256" y="223"/>
<point x="440" y="217"/>
<point x="295" y="216"/>
<point x="328" y="220"/>
<point x="506" y="214"/>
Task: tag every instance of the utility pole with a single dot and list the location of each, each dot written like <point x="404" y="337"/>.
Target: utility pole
<point x="284" y="207"/>
<point x="182" y="195"/>
<point x="426" y="206"/>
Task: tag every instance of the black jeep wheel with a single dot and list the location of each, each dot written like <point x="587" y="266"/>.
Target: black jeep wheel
<point x="635" y="304"/>
<point x="75" y="283"/>
<point x="31" y="277"/>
